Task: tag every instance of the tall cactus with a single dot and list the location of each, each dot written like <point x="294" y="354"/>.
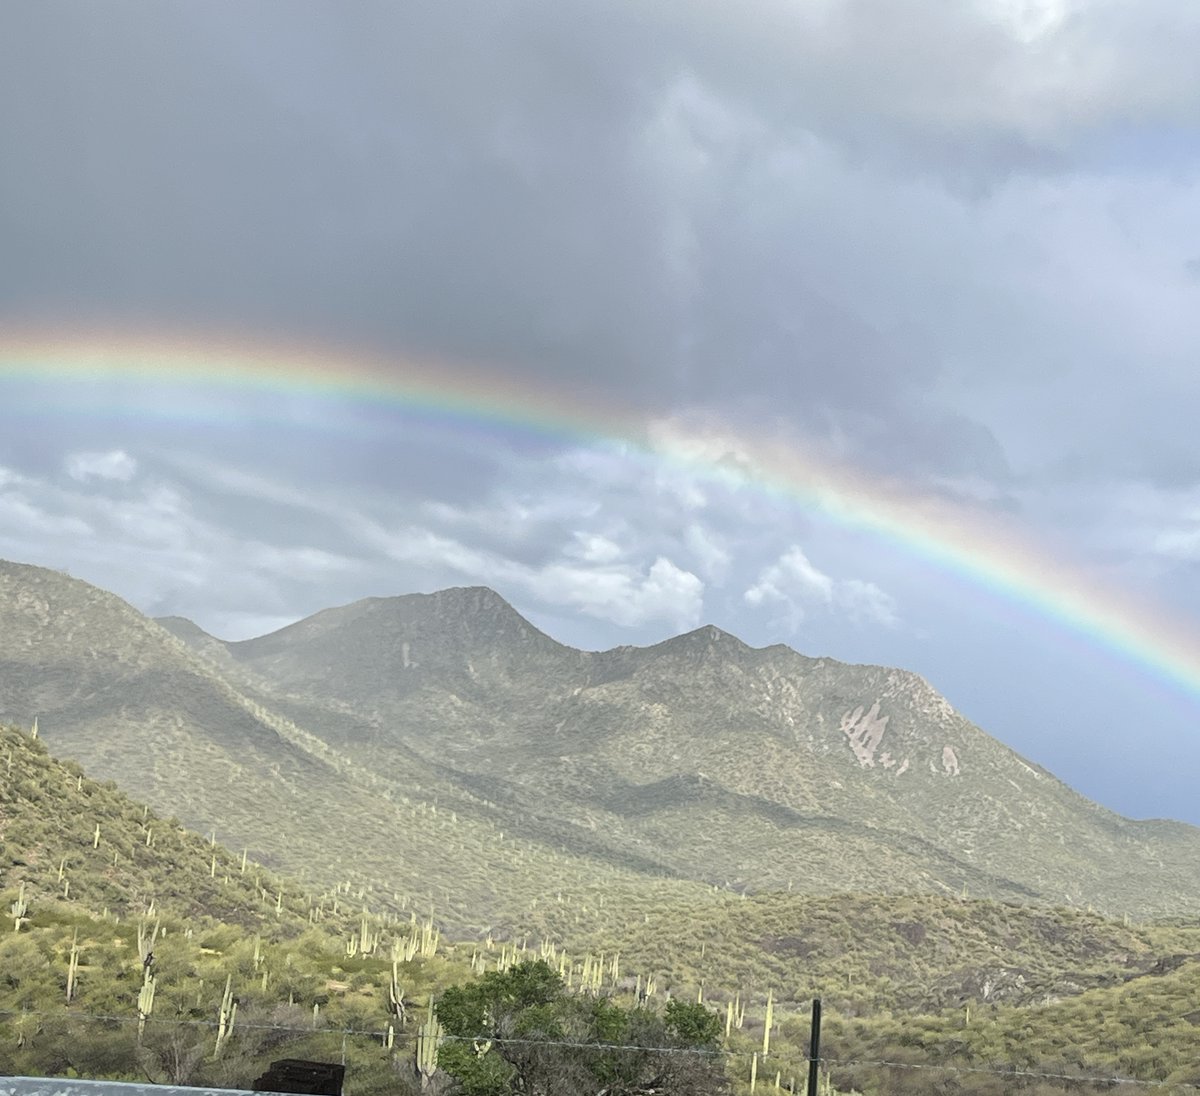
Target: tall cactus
<point x="769" y="1021"/>
<point x="19" y="908"/>
<point x="145" y="940"/>
<point x="429" y="938"/>
<point x="396" y="995"/>
<point x="73" y="966"/>
<point x="146" y="1000"/>
<point x="226" y="1016"/>
<point x="368" y="938"/>
<point x="428" y="1039"/>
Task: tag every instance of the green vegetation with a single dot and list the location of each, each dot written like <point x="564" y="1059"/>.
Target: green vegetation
<point x="171" y="961"/>
<point x="153" y="953"/>
<point x="521" y="1031"/>
<point x="432" y="810"/>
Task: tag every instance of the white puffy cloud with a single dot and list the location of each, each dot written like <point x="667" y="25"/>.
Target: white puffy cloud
<point x="155" y="543"/>
<point x="709" y="550"/>
<point x="865" y="602"/>
<point x="1180" y="543"/>
<point x="796" y="586"/>
<point x="951" y="75"/>
<point x="26" y="523"/>
<point x="625" y="595"/>
<point x="792" y="580"/>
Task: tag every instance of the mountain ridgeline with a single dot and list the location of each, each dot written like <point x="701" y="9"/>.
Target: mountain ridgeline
<point x="441" y="745"/>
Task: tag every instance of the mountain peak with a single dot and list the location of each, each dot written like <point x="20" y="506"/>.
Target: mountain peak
<point x="182" y="628"/>
<point x="462" y="599"/>
<point x="708" y="638"/>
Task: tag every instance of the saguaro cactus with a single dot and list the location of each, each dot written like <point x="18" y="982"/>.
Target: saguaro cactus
<point x="146" y="1000"/>
<point x="226" y="1016"/>
<point x="72" y="966"/>
<point x="145" y="940"/>
<point x="396" y="995"/>
<point x="428" y="1039"/>
<point x="19" y="908"/>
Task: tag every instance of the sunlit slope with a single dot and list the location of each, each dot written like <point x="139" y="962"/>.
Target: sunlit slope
<point x="78" y="844"/>
<point x="123" y="933"/>
<point x="862" y="953"/>
<point x="752" y="768"/>
<point x="129" y="701"/>
<point x="70" y="840"/>
<point x="913" y="978"/>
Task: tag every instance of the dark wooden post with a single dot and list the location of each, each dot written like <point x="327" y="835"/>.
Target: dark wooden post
<point x="814" y="1047"/>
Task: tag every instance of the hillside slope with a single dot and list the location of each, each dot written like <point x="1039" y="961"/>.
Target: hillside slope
<point x="440" y="745"/>
<point x="750" y="768"/>
<point x="128" y="700"/>
<point x="69" y="839"/>
<point x="109" y="896"/>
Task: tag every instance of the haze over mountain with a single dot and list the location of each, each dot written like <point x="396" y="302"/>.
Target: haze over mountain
<point x="430" y="738"/>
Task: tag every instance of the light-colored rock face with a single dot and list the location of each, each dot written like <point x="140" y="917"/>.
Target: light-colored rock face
<point x="864" y="731"/>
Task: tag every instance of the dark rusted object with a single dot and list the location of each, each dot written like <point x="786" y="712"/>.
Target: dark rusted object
<point x="293" y="1075"/>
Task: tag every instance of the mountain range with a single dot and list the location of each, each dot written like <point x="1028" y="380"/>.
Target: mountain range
<point x="440" y="747"/>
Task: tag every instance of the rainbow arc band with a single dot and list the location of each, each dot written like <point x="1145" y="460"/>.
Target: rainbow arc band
<point x="112" y="372"/>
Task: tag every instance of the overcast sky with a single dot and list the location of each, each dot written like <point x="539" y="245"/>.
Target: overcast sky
<point x="956" y="245"/>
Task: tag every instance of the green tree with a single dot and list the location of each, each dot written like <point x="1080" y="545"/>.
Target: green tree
<point x="519" y="1031"/>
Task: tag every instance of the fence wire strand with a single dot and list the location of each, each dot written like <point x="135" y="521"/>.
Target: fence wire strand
<point x="404" y="1040"/>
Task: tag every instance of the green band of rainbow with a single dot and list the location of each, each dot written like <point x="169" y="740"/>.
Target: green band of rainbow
<point x="986" y="552"/>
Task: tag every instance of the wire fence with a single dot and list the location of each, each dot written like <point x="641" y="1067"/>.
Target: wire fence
<point x="391" y="1042"/>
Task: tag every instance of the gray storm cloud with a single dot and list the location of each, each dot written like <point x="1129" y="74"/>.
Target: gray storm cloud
<point x="952" y="244"/>
<point x="631" y="198"/>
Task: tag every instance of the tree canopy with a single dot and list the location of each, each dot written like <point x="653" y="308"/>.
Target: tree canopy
<point x="520" y="1031"/>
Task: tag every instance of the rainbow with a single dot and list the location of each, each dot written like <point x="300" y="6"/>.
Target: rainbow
<point x="987" y="552"/>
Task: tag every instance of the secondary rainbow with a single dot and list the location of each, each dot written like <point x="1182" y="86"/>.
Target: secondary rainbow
<point x="990" y="553"/>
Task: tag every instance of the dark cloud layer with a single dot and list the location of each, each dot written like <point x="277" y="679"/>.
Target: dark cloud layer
<point x="613" y="198"/>
<point x="514" y="184"/>
<point x="951" y="244"/>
